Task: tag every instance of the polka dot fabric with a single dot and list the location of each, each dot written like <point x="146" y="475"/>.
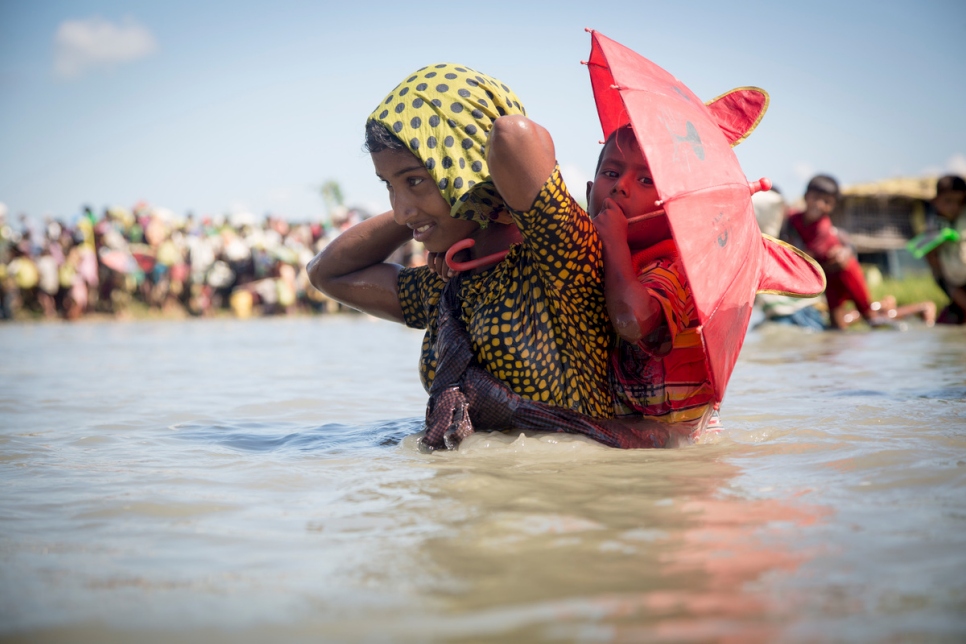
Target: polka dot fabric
<point x="444" y="113"/>
<point x="537" y="320"/>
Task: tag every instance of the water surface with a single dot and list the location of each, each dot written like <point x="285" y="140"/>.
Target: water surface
<point x="222" y="480"/>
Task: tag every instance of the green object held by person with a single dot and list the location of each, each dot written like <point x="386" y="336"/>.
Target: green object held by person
<point x="920" y="245"/>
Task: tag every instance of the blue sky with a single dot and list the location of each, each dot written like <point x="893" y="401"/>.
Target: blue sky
<point x="214" y="107"/>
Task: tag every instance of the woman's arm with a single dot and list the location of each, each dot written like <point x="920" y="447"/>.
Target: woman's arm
<point x="352" y="268"/>
<point x="633" y="312"/>
<point x="521" y="158"/>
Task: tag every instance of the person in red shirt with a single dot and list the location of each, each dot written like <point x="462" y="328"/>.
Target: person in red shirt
<point x="819" y="238"/>
<point x="812" y="231"/>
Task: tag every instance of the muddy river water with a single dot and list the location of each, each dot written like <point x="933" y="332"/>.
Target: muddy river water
<point x="222" y="480"/>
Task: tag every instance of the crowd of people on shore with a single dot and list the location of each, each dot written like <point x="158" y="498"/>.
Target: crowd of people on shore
<point x="146" y="260"/>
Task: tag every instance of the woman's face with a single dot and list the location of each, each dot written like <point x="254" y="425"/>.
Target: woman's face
<point x="417" y="202"/>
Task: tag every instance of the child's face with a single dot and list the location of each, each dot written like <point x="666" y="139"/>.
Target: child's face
<point x="624" y="176"/>
<point x="818" y="205"/>
<point x="949" y="203"/>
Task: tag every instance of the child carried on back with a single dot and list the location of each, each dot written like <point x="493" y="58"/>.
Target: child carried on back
<point x="658" y="367"/>
<point x="657" y="370"/>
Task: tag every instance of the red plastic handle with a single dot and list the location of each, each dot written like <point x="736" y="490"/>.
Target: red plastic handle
<point x="479" y="262"/>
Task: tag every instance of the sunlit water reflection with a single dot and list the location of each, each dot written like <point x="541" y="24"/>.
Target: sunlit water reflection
<point x="226" y="480"/>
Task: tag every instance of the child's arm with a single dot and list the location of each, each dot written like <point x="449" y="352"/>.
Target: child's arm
<point x="839" y="256"/>
<point x="958" y="295"/>
<point x="633" y="311"/>
<point x="932" y="258"/>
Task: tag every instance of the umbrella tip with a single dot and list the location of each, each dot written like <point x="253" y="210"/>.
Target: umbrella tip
<point x="762" y="185"/>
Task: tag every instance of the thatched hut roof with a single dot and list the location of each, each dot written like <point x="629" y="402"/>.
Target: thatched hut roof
<point x="884" y="215"/>
<point x="912" y="187"/>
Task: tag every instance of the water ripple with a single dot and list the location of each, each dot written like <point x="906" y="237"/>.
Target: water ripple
<point x="249" y="436"/>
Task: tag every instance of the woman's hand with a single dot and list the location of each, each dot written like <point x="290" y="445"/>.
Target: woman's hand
<point x="352" y="269"/>
<point x="437" y="264"/>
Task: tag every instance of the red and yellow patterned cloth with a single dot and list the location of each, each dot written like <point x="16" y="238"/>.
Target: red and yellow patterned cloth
<point x="665" y="375"/>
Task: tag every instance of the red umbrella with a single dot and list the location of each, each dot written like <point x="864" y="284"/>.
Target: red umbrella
<point x="703" y="193"/>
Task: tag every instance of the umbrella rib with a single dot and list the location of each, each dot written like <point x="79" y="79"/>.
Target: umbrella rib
<point x="687" y="193"/>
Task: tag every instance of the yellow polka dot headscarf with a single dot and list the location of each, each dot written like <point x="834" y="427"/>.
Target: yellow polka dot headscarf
<point x="443" y="114"/>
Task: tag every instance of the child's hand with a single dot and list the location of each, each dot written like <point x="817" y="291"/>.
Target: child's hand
<point x="610" y="222"/>
<point x="437" y="264"/>
<point x="838" y="257"/>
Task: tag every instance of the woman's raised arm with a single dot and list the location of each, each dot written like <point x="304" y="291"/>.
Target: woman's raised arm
<point x="352" y="269"/>
<point x="521" y="158"/>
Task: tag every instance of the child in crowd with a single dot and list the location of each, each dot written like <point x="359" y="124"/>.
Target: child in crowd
<point x="658" y="367"/>
<point x="812" y="231"/>
<point x="948" y="261"/>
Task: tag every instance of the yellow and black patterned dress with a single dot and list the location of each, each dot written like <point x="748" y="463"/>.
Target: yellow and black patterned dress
<point x="537" y="320"/>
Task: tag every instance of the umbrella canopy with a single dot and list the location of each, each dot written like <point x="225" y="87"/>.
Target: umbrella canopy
<point x="119" y="260"/>
<point x="704" y="194"/>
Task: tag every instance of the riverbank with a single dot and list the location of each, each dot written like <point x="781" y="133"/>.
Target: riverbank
<point x="139" y="311"/>
<point x="915" y="288"/>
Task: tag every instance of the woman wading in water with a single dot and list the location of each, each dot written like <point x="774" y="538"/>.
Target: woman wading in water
<point x="523" y="344"/>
